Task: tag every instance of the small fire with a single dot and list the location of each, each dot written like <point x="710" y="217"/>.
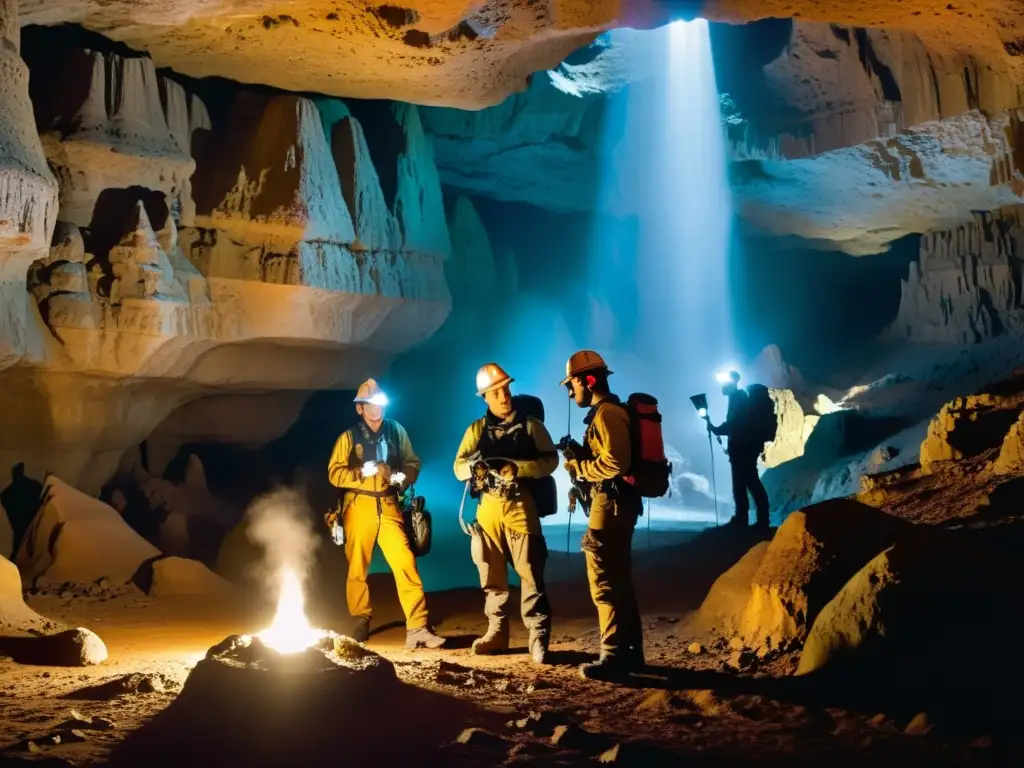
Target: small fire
<point x="290" y="632"/>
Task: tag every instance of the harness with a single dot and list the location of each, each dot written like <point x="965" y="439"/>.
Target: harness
<point x="381" y="446"/>
<point x="508" y="439"/>
<point x="611" y="488"/>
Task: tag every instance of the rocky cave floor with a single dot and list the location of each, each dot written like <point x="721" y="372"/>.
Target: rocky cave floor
<point x="706" y="698"/>
<point x="710" y="707"/>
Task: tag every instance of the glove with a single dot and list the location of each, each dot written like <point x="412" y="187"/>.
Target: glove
<point x="398" y="478"/>
<point x="509" y="472"/>
<point x="369" y="469"/>
<point x="331" y="518"/>
<point x="572" y="466"/>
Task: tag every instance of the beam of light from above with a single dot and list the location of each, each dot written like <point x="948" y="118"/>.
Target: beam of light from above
<point x="666" y="229"/>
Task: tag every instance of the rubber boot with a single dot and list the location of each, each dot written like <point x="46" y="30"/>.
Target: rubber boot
<point x="496" y="638"/>
<point x="361" y="629"/>
<point x="423" y="637"/>
<point x="609" y="668"/>
<point x="539" y="647"/>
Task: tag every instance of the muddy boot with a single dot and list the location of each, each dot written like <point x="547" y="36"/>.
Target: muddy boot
<point x="495" y="640"/>
<point x="611" y="669"/>
<point x="423" y="637"/>
<point x="361" y="629"/>
<point x="538" y="647"/>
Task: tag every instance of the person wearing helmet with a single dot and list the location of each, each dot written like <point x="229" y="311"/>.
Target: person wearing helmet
<point x="614" y="509"/>
<point x="743" y="451"/>
<point x="373" y="462"/>
<point x="507" y="531"/>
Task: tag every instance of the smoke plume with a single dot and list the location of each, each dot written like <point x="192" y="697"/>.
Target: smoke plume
<point x="281" y="523"/>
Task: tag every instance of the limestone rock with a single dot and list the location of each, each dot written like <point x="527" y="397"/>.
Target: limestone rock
<point x="28" y="190"/>
<point x="945" y="442"/>
<point x="965" y="287"/>
<point x="105" y="129"/>
<point x="900" y="615"/>
<point x="6" y="534"/>
<point x="419" y="206"/>
<point x="14" y="613"/>
<point x="138" y="265"/>
<point x="472" y="276"/>
<point x="813" y="553"/>
<point x="76" y="538"/>
<point x="178" y="577"/>
<point x="1011" y="454"/>
<point x="794" y="428"/>
<point x="375" y="226"/>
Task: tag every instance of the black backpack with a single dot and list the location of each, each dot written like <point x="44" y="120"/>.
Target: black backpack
<point x="764" y="424"/>
<point x="543" y="489"/>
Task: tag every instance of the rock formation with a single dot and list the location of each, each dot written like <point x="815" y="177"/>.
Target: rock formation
<point x="793" y="430"/>
<point x="259" y="283"/>
<point x="966" y="286"/>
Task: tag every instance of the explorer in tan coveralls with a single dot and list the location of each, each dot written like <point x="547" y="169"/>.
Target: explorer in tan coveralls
<point x="507" y="529"/>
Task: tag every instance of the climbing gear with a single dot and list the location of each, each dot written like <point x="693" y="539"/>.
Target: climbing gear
<point x="423" y="637"/>
<point x="490" y="377"/>
<point x="418" y="523"/>
<point x="544" y="490"/>
<point x="583" y="361"/>
<point x="370" y="392"/>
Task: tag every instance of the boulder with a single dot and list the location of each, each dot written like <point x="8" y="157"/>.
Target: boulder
<point x="6" y="534"/>
<point x="794" y="428"/>
<point x="813" y="553"/>
<point x="1011" y="453"/>
<point x="14" y="614"/>
<point x="70" y="648"/>
<point x="76" y="538"/>
<point x="180" y="577"/>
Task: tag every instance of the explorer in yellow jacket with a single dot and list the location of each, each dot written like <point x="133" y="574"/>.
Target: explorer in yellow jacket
<point x="373" y="462"/>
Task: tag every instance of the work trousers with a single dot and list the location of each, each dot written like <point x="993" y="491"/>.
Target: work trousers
<point x="495" y="546"/>
<point x="608" y="547"/>
<point x="368" y="520"/>
<point x="745" y="478"/>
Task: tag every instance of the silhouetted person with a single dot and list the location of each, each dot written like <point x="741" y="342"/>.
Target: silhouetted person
<point x="21" y="500"/>
<point x="744" y="448"/>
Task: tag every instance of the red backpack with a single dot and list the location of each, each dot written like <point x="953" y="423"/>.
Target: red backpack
<point x="649" y="470"/>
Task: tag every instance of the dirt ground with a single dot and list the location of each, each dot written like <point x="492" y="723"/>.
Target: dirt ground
<point x="688" y="707"/>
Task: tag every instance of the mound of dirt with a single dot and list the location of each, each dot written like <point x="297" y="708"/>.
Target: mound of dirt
<point x="76" y="538"/>
<point x="15" y="615"/>
<point x="179" y="577"/>
<point x="813" y="553"/>
<point x="339" y="702"/>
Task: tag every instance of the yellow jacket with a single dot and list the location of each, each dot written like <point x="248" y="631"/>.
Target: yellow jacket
<point x="349" y="476"/>
<point x="609" y="442"/>
<point x="520" y="514"/>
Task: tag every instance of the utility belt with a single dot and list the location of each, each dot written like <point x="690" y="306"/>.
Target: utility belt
<point x="388" y="492"/>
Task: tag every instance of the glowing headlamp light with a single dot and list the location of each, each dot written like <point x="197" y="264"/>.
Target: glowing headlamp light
<point x="380" y="400"/>
<point x="724" y="376"/>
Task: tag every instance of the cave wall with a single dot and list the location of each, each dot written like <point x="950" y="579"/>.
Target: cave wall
<point x="174" y="258"/>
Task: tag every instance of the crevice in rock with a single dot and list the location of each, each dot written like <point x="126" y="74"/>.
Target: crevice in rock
<point x="872" y="64"/>
<point x="396" y="17"/>
<point x="386" y="142"/>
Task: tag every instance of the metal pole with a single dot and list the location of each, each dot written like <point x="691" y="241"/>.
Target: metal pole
<point x="714" y="482"/>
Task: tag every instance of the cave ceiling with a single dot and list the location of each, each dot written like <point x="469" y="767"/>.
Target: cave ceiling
<point x="514" y="118"/>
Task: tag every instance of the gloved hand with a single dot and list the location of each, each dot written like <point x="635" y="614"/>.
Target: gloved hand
<point x="398" y="478"/>
<point x="572" y="466"/>
<point x="369" y="469"/>
<point x="509" y="472"/>
<point x="331" y="518"/>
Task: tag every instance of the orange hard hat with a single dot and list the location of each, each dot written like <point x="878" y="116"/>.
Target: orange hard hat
<point x="490" y="377"/>
<point x="582" y="361"/>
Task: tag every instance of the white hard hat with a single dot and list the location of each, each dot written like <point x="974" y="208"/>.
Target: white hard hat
<point x="490" y="377"/>
<point x="370" y="392"/>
